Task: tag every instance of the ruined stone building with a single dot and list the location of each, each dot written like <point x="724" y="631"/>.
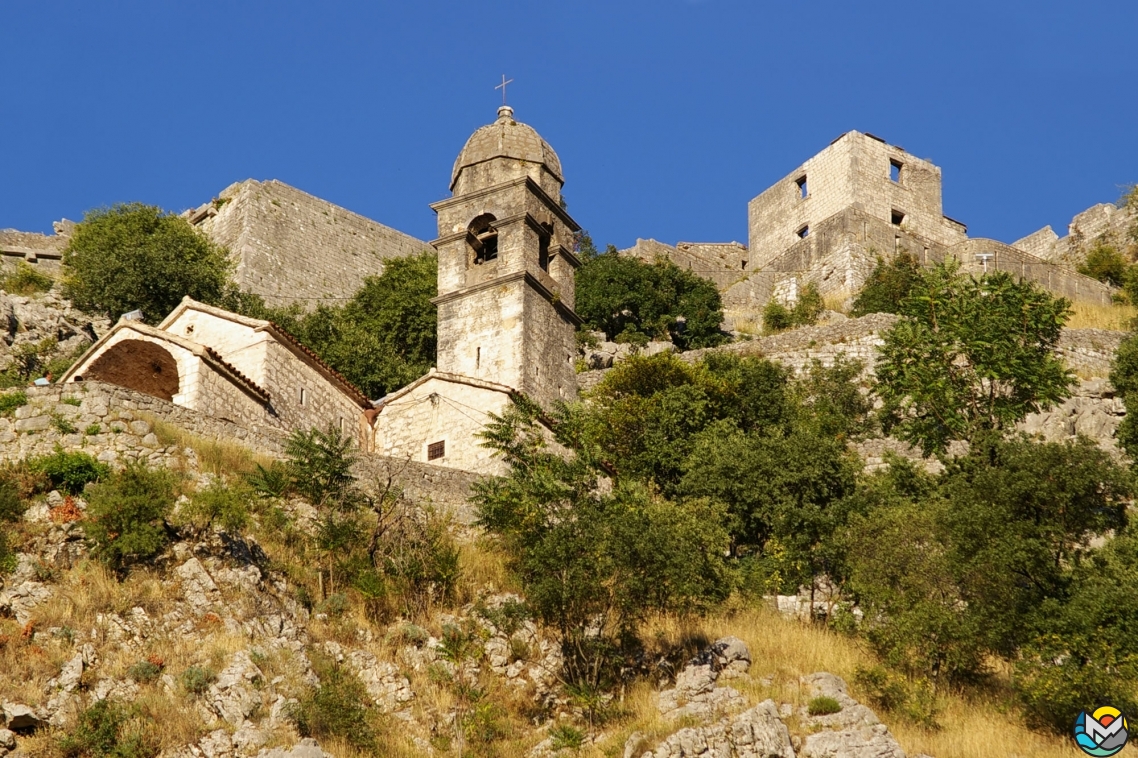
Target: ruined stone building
<point x="240" y="369"/>
<point x="506" y="294"/>
<point x="830" y="219"/>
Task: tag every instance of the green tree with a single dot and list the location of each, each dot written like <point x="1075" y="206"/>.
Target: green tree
<point x="887" y="286"/>
<point x="1124" y="377"/>
<point x="970" y="355"/>
<point x="630" y="300"/>
<point x="805" y="312"/>
<point x="592" y="561"/>
<point x="1106" y="264"/>
<point x="126" y="515"/>
<point x="134" y="256"/>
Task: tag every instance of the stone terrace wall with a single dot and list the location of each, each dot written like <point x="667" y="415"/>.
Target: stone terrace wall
<point x="1088" y="352"/>
<point x="41" y="250"/>
<point x="293" y="247"/>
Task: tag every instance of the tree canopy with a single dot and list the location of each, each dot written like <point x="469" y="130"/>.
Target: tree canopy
<point x="970" y="355"/>
<point x="633" y="301"/>
<point x="134" y="256"/>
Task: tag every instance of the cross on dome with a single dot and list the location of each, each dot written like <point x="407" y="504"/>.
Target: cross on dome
<point x="502" y="87"/>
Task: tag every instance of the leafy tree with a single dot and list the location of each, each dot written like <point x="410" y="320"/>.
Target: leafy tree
<point x="630" y="300"/>
<point x="126" y="515"/>
<point x="887" y="286"/>
<point x="832" y="400"/>
<point x="1106" y="264"/>
<point x="320" y="465"/>
<point x="383" y="338"/>
<point x="1124" y="377"/>
<point x="592" y="560"/>
<point x="135" y="256"/>
<point x="970" y="355"/>
<point x="1085" y="651"/>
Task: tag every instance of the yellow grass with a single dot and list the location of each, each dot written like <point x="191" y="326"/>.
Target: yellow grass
<point x="1094" y="316"/>
<point x="215" y="456"/>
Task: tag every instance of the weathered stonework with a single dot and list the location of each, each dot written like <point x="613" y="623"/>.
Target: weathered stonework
<point x="291" y="247"/>
<point x="44" y="251"/>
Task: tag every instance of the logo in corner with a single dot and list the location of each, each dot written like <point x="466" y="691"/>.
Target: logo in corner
<point x="1102" y="732"/>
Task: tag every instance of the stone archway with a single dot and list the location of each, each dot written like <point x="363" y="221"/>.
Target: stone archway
<point x="137" y="365"/>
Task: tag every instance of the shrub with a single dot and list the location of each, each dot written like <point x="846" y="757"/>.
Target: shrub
<point x="93" y="429"/>
<point x="127" y="515"/>
<point x="892" y="692"/>
<point x="197" y="679"/>
<point x="8" y="560"/>
<point x="1106" y="264"/>
<point x="144" y="671"/>
<point x="320" y="464"/>
<point x="70" y="472"/>
<point x="336" y="708"/>
<point x="823" y="706"/>
<point x="777" y="317"/>
<point x="62" y="425"/>
<point x="135" y="256"/>
<point x="272" y="481"/>
<point x="12" y="506"/>
<point x="72" y="401"/>
<point x="10" y="401"/>
<point x="217" y="504"/>
<point x="25" y="280"/>
<point x="887" y="286"/>
<point x="102" y="733"/>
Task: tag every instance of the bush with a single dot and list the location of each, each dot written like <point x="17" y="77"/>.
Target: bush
<point x="69" y="472"/>
<point x="10" y="401"/>
<point x="126" y="515"/>
<point x="25" y="280"/>
<point x="144" y="671"/>
<point x="135" y="256"/>
<point x="1107" y="265"/>
<point x="320" y="464"/>
<point x="8" y="560"/>
<point x="823" y="706"/>
<point x="197" y="679"/>
<point x="336" y="708"/>
<point x="102" y="733"/>
<point x="807" y="308"/>
<point x="914" y="701"/>
<point x="272" y="481"/>
<point x="887" y="286"/>
<point x="219" y="504"/>
<point x="12" y="506"/>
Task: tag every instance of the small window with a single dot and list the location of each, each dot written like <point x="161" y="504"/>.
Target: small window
<point x="804" y="231"/>
<point x="343" y="425"/>
<point x="543" y="247"/>
<point x="482" y="238"/>
<point x="303" y="396"/>
<point x="743" y="264"/>
<point x="803" y="191"/>
<point x="897" y="217"/>
<point x="477" y="357"/>
<point x="895" y="167"/>
<point x="436" y="450"/>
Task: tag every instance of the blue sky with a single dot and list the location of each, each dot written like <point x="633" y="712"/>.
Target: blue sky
<point x="668" y="115"/>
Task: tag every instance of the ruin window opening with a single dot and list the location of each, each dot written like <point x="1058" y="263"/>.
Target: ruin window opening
<point x="897" y="217"/>
<point x="895" y="167"/>
<point x="477" y="357"/>
<point x="482" y="238"/>
<point x="803" y="190"/>
<point x="303" y="396"/>
<point x="803" y="231"/>
<point x="436" y="450"/>
<point x="743" y="265"/>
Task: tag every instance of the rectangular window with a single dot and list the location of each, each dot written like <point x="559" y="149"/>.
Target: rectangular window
<point x="897" y="217"/>
<point x="804" y="231"/>
<point x="895" y="167"/>
<point x="343" y="425"/>
<point x="803" y="191"/>
<point x="436" y="450"/>
<point x="303" y="396"/>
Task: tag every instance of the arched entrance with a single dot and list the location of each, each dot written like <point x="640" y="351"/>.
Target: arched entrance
<point x="137" y="365"/>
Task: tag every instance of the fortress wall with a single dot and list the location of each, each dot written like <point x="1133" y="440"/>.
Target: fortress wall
<point x="292" y="247"/>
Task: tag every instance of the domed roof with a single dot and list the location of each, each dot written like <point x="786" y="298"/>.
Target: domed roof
<point x="507" y="138"/>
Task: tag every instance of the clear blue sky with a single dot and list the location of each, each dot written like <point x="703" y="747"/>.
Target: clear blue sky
<point x="668" y="115"/>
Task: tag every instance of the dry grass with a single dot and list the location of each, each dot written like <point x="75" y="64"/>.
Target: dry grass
<point x="218" y="457"/>
<point x="836" y="301"/>
<point x="783" y="650"/>
<point x="1116" y="318"/>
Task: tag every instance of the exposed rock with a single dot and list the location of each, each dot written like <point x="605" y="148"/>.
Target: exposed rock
<point x="7" y="739"/>
<point x="234" y="696"/>
<point x="725" y="654"/>
<point x="754" y="733"/>
<point x="696" y="695"/>
<point x="852" y="714"/>
<point x="21" y="718"/>
<point x="862" y="742"/>
<point x="306" y="748"/>
<point x="198" y="586"/>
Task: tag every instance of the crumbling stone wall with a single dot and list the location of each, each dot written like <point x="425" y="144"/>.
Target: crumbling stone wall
<point x="292" y="247"/>
<point x="42" y="250"/>
<point x="1102" y="224"/>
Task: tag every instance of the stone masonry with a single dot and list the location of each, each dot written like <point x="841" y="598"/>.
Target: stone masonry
<point x="291" y="247"/>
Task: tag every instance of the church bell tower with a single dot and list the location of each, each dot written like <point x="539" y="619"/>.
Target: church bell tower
<point x="506" y="265"/>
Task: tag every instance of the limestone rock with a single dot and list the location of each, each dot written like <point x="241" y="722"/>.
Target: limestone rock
<point x="860" y="742"/>
<point x="234" y="696"/>
<point x="727" y="653"/>
<point x="754" y="733"/>
<point x="197" y="585"/>
<point x="853" y="714"/>
<point x="7" y="739"/>
<point x="695" y="695"/>
<point x="387" y="687"/>
<point x="21" y="718"/>
<point x="306" y="748"/>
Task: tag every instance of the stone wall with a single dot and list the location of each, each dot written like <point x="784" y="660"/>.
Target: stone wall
<point x="42" y="250"/>
<point x="1088" y="352"/>
<point x="292" y="247"/>
<point x="1102" y="224"/>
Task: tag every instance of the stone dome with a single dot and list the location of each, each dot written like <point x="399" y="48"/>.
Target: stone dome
<point x="507" y="138"/>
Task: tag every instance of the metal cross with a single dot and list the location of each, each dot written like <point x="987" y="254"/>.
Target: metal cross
<point x="502" y="87"/>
